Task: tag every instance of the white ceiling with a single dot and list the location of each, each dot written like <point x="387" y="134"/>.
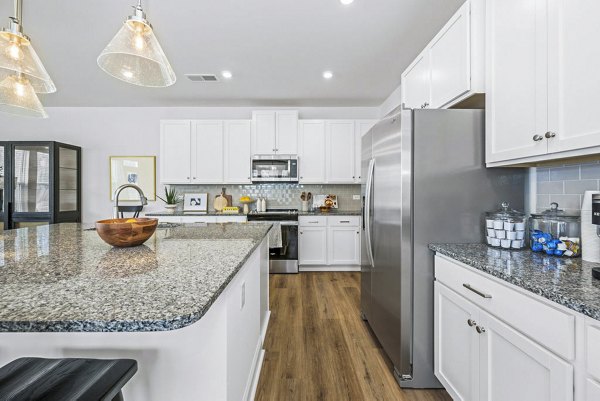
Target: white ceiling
<point x="276" y="49"/>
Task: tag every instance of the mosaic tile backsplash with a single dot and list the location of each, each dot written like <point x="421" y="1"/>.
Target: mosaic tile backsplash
<point x="566" y="185"/>
<point x="279" y="195"/>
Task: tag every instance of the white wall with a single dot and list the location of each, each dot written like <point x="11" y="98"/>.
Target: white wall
<point x="394" y="100"/>
<point x="128" y="131"/>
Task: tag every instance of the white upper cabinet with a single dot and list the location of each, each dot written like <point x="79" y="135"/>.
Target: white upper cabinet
<point x="287" y="132"/>
<point x="452" y="66"/>
<point x="416" y="83"/>
<point x="542" y="80"/>
<point x="573" y="75"/>
<point x="516" y="101"/>
<point x="361" y="128"/>
<point x="175" y="152"/>
<point x="275" y="132"/>
<point x="311" y="138"/>
<point x="340" y="151"/>
<point x="238" y="140"/>
<point x="264" y="129"/>
<point x="450" y="59"/>
<point x="207" y="144"/>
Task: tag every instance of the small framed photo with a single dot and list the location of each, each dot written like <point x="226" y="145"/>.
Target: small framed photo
<point x="195" y="202"/>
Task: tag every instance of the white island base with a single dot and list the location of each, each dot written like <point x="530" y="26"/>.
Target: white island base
<point x="218" y="358"/>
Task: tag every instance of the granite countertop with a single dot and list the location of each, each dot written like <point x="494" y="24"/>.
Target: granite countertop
<point x="332" y="212"/>
<point x="191" y="214"/>
<point x="566" y="281"/>
<point x="62" y="278"/>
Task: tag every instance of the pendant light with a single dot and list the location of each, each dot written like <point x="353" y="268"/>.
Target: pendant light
<point x="22" y="73"/>
<point x="135" y="56"/>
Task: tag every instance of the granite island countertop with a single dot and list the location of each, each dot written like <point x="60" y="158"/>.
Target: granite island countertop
<point x="332" y="212"/>
<point x="566" y="281"/>
<point x="64" y="278"/>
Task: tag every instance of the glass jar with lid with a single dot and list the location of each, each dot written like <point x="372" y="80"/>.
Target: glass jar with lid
<point x="505" y="228"/>
<point x="555" y="232"/>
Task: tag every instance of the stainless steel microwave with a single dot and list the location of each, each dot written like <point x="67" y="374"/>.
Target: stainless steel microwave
<point x="275" y="168"/>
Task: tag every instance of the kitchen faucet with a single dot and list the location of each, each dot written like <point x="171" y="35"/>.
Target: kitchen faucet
<point x="118" y="191"/>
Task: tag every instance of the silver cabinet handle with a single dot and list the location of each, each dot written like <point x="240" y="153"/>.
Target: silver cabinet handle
<point x="471" y="322"/>
<point x="476" y="291"/>
<point x="537" y="138"/>
<point x="344" y="221"/>
<point x="313" y="222"/>
<point x="480" y="329"/>
<point x="550" y="134"/>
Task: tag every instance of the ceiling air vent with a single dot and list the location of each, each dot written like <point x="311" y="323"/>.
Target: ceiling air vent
<point x="202" y="77"/>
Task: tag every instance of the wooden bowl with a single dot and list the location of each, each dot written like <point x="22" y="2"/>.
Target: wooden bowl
<point x="126" y="232"/>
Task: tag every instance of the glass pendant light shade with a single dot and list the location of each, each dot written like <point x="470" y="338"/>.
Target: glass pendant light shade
<point x="135" y="56"/>
<point x="17" y="96"/>
<point x="17" y="56"/>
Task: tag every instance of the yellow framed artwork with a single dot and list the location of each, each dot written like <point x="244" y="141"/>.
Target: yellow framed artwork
<point x="138" y="170"/>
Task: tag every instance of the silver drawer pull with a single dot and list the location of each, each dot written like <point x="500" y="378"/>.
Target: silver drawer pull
<point x="476" y="291"/>
<point x="313" y="222"/>
<point x="344" y="221"/>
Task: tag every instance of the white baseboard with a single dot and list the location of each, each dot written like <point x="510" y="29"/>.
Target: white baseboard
<point x="256" y="377"/>
<point x="324" y="268"/>
<point x="265" y="326"/>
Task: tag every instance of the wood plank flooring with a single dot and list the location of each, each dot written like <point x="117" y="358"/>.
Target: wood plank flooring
<point x="319" y="349"/>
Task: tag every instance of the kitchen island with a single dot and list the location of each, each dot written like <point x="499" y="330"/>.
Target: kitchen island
<point x="190" y="305"/>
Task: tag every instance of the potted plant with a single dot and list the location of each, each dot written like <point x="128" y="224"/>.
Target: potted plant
<point x="172" y="198"/>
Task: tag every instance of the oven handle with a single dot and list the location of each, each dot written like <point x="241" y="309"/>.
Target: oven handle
<point x="288" y="223"/>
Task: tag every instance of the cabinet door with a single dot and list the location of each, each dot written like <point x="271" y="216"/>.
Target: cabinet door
<point x="264" y="130"/>
<point x="592" y="390"/>
<point x="574" y="81"/>
<point x="451" y="59"/>
<point x="340" y="151"/>
<point x="416" y="83"/>
<point x="207" y="144"/>
<point x="175" y="152"/>
<point x="287" y="132"/>
<point x="361" y="128"/>
<point x="517" y="79"/>
<point x="238" y="139"/>
<point x="243" y="328"/>
<point x="312" y="151"/>
<point x="343" y="246"/>
<point x="456" y="344"/>
<point x="312" y="246"/>
<point x="512" y="367"/>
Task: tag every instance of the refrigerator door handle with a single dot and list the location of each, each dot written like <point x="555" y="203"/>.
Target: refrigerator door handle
<point x="368" y="201"/>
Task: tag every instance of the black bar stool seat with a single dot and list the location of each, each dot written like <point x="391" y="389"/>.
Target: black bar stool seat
<point x="67" y="379"/>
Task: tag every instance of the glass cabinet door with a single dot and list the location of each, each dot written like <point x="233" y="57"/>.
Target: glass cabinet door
<point x="31" y="179"/>
<point x="68" y="181"/>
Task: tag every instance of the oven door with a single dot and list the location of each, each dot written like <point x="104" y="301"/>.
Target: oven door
<point x="285" y="259"/>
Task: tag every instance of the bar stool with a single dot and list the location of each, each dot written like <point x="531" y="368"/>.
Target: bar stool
<point x="73" y="379"/>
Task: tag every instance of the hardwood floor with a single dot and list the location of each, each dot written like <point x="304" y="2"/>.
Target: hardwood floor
<point x="319" y="349"/>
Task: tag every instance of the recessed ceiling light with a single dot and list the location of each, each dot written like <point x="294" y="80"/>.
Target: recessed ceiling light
<point x="227" y="74"/>
<point x="346" y="2"/>
<point x="328" y="75"/>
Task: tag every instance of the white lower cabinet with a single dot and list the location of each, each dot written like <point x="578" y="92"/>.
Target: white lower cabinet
<point x="481" y="356"/>
<point x="312" y="246"/>
<point x="329" y="243"/>
<point x="201" y="219"/>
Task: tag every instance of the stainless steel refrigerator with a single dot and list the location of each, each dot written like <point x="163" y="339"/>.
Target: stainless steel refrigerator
<point x="424" y="181"/>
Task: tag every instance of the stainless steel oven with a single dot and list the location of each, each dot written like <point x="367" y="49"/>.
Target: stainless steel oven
<point x="282" y="259"/>
<point x="274" y="168"/>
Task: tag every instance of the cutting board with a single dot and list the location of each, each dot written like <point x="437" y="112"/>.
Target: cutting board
<point x="220" y="203"/>
<point x="228" y="197"/>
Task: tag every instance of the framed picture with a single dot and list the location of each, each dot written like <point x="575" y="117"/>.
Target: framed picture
<point x="138" y="170"/>
<point x="195" y="202"/>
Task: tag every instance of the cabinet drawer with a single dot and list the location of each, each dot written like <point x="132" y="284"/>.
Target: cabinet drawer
<point x="343" y="221"/>
<point x="592" y="350"/>
<point x="168" y="219"/>
<point x="312" y="221"/>
<point x="198" y="219"/>
<point x="546" y="325"/>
